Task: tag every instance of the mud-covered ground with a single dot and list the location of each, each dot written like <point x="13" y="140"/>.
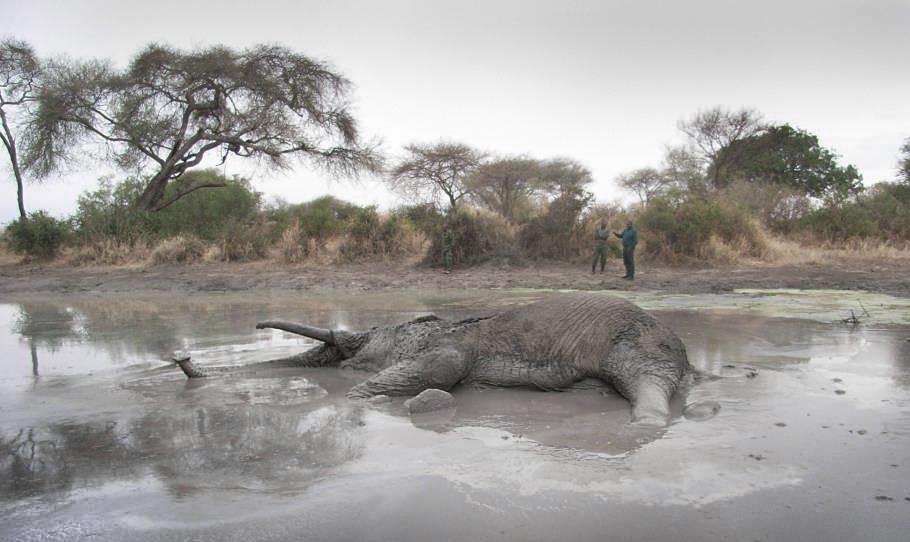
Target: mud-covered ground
<point x="100" y="439"/>
<point x="886" y="276"/>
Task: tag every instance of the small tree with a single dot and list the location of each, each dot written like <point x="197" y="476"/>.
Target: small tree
<point x="683" y="170"/>
<point x="505" y="185"/>
<point x="436" y="171"/>
<point x="903" y="165"/>
<point x="169" y="109"/>
<point x="561" y="175"/>
<point x="19" y="73"/>
<point x="645" y="183"/>
<point x="715" y="132"/>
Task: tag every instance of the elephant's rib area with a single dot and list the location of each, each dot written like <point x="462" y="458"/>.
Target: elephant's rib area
<point x="576" y="330"/>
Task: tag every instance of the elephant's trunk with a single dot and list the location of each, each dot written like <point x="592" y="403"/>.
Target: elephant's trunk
<point x="318" y="333"/>
<point x="182" y="359"/>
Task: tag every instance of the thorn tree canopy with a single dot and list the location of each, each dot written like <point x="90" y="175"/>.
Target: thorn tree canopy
<point x="646" y="183"/>
<point x="506" y="184"/>
<point x="434" y="171"/>
<point x="19" y="73"/>
<point x="169" y="109"/>
<point x="714" y="133"/>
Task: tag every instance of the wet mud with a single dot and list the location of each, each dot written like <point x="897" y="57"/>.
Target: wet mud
<point x="102" y="439"/>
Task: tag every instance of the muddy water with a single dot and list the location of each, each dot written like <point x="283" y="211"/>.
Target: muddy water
<point x="101" y="439"/>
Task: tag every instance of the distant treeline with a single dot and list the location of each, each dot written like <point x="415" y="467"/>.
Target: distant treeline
<point x="734" y="183"/>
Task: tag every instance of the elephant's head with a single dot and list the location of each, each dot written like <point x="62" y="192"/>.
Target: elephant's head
<point x="369" y="350"/>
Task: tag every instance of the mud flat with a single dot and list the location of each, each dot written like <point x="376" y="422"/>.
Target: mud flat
<point x="100" y="439"/>
<point x="885" y="276"/>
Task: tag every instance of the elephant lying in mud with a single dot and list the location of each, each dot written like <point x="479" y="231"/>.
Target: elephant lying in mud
<point x="550" y="344"/>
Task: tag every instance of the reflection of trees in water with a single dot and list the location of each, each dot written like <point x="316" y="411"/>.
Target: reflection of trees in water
<point x="44" y="325"/>
<point x="187" y="450"/>
<point x="126" y="328"/>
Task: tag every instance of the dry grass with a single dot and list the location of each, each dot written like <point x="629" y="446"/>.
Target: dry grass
<point x="180" y="249"/>
<point x="794" y="251"/>
<point x="109" y="252"/>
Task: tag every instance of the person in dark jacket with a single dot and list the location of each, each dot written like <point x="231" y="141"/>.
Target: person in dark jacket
<point x="629" y="238"/>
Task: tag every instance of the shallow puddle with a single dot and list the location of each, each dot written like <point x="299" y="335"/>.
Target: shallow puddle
<point x="100" y="438"/>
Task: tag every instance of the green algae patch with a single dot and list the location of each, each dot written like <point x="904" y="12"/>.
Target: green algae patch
<point x="834" y="306"/>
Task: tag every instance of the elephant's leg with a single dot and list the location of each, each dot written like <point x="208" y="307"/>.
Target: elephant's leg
<point x="441" y="369"/>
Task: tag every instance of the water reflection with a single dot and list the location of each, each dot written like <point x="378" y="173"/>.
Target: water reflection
<point x="201" y="447"/>
<point x="44" y="324"/>
<point x="136" y="418"/>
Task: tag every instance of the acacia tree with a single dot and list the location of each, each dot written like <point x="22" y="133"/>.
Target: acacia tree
<point x="714" y="133"/>
<point x="682" y="169"/>
<point x="436" y="171"/>
<point x="169" y="109"/>
<point x="561" y="175"/>
<point x="504" y="184"/>
<point x="19" y="73"/>
<point x="645" y="182"/>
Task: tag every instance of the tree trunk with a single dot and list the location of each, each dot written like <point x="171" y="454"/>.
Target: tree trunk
<point x="153" y="193"/>
<point x="14" y="160"/>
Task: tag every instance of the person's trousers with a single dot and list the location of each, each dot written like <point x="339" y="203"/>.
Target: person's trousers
<point x="600" y="253"/>
<point x="628" y="259"/>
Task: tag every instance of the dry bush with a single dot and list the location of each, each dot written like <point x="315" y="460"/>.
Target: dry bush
<point x="180" y="249"/>
<point x="473" y="236"/>
<point x="291" y="248"/>
<point x="697" y="230"/>
<point x="243" y="242"/>
<point x="373" y="236"/>
<point x="779" y="208"/>
<point x="110" y="252"/>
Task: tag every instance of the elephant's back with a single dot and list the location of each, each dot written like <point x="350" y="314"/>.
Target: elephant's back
<point x="578" y="328"/>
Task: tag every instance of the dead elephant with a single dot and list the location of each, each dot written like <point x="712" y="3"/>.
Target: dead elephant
<point x="550" y="344"/>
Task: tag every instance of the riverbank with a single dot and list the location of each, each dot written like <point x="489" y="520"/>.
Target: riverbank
<point x="885" y="276"/>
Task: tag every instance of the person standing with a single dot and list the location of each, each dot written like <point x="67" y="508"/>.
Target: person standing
<point x="601" y="235"/>
<point x="629" y="238"/>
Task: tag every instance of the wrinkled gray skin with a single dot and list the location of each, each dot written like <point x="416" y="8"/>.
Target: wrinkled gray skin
<point x="551" y="345"/>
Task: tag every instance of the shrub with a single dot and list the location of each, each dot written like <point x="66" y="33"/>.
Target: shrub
<point x="108" y="212"/>
<point x="836" y="224"/>
<point x="243" y="241"/>
<point x="778" y="207"/>
<point x="323" y="217"/>
<point x="695" y="227"/>
<point x="556" y="233"/>
<point x="41" y="236"/>
<point x="473" y="237"/>
<point x="210" y="213"/>
<point x="371" y="235"/>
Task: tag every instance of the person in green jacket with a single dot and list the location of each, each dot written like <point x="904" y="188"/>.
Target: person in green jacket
<point x="601" y="235"/>
<point x="629" y="238"/>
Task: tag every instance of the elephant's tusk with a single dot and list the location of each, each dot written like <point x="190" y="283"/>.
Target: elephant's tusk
<point x="318" y="333"/>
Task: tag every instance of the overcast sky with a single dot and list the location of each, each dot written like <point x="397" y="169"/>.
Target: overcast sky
<point x="604" y="82"/>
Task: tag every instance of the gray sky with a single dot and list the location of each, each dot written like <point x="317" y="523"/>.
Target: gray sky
<point x="603" y="82"/>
